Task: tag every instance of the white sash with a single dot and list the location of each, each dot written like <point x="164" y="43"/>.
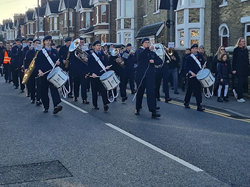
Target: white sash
<point x="99" y="61"/>
<point x="196" y="60"/>
<point x="48" y="58"/>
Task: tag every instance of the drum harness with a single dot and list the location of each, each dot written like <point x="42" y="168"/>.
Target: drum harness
<point x="208" y="94"/>
<point x="64" y="89"/>
<point x="104" y="69"/>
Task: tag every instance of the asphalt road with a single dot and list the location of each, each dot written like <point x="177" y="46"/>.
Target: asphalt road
<point x="98" y="155"/>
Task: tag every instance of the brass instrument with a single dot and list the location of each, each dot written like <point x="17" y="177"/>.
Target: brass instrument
<point x="67" y="60"/>
<point x="79" y="53"/>
<point x="30" y="70"/>
<point x="119" y="60"/>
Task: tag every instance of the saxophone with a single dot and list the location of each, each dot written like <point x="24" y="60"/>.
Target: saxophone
<point x="67" y="60"/>
<point x="30" y="70"/>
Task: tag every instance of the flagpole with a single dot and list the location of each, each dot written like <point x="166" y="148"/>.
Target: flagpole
<point x="171" y="12"/>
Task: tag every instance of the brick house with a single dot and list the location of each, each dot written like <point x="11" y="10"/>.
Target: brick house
<point x="29" y="27"/>
<point x="40" y="20"/>
<point x="8" y="30"/>
<point x="150" y="22"/>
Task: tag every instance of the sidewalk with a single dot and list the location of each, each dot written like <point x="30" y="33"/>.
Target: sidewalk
<point x="240" y="109"/>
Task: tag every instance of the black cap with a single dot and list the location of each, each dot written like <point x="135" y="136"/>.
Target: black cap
<point x="144" y="40"/>
<point x="128" y="45"/>
<point x="48" y="37"/>
<point x="23" y="39"/>
<point x="81" y="38"/>
<point x="36" y="40"/>
<point x="194" y="45"/>
<point x="30" y="39"/>
<point x="96" y="42"/>
<point x="58" y="46"/>
<point x="53" y="44"/>
<point x="68" y="39"/>
<point x="17" y="40"/>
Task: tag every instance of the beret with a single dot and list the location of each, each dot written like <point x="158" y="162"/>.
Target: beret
<point x="36" y="40"/>
<point x="129" y="44"/>
<point x="68" y="39"/>
<point x="144" y="40"/>
<point x="96" y="42"/>
<point x="48" y="37"/>
<point x="194" y="45"/>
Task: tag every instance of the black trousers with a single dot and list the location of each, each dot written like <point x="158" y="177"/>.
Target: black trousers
<point x="45" y="85"/>
<point x="14" y="71"/>
<point x="7" y="72"/>
<point x="31" y="86"/>
<point x="70" y="83"/>
<point x="123" y="83"/>
<point x="130" y="77"/>
<point x="38" y="89"/>
<point x="161" y="73"/>
<point x="194" y="86"/>
<point x="80" y="80"/>
<point x="239" y="87"/>
<point x="97" y="86"/>
<point x="148" y="83"/>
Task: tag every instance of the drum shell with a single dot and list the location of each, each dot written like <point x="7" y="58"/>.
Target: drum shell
<point x="109" y="80"/>
<point x="57" y="77"/>
<point x="206" y="78"/>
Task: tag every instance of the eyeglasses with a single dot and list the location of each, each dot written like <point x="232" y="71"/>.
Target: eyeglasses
<point x="222" y="49"/>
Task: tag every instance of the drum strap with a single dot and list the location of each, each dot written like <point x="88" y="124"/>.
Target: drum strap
<point x="48" y="57"/>
<point x="99" y="61"/>
<point x="196" y="60"/>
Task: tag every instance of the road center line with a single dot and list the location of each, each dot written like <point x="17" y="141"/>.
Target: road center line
<point x="192" y="167"/>
<point x="75" y="107"/>
<point x="184" y="163"/>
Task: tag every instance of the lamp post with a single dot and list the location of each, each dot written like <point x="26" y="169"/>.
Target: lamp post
<point x="38" y="19"/>
<point x="68" y="18"/>
<point x="171" y="12"/>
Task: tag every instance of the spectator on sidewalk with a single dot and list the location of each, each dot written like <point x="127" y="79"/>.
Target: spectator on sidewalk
<point x="183" y="68"/>
<point x="203" y="53"/>
<point x="240" y="67"/>
<point x="173" y="68"/>
<point x="222" y="77"/>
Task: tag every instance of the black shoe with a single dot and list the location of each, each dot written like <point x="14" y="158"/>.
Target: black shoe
<point x="155" y="115"/>
<point x="115" y="99"/>
<point x="75" y="99"/>
<point x="85" y="102"/>
<point x="167" y="100"/>
<point x="70" y="96"/>
<point x="219" y="100"/>
<point x="225" y="99"/>
<point x="38" y="103"/>
<point x="45" y="110"/>
<point x="32" y="102"/>
<point x="200" y="109"/>
<point x="95" y="108"/>
<point x="124" y="99"/>
<point x="158" y="99"/>
<point x="137" y="112"/>
<point x="176" y="92"/>
<point x="157" y="108"/>
<point x="106" y="107"/>
<point x="57" y="109"/>
<point x="186" y="105"/>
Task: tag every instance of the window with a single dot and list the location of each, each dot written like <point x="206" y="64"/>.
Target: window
<point x="247" y="34"/>
<point x="65" y="19"/>
<point x="28" y="28"/>
<point x="97" y="18"/>
<point x="157" y="5"/>
<point x="103" y="13"/>
<point x="181" y="2"/>
<point x="104" y="38"/>
<point x="127" y="38"/>
<point x="50" y="24"/>
<point x="70" y="19"/>
<point x="55" y="24"/>
<point x="194" y="36"/>
<point x="128" y="8"/>
<point x="181" y="37"/>
<point x="195" y="1"/>
<point x="224" y="34"/>
<point x="119" y="38"/>
<point x="41" y="25"/>
<point x="87" y="20"/>
<point x="81" y="17"/>
<point x="223" y="3"/>
<point x="31" y="28"/>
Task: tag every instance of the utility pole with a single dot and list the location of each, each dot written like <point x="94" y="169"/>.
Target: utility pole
<point x="38" y="19"/>
<point x="68" y="18"/>
<point x="109" y="19"/>
<point x="171" y="11"/>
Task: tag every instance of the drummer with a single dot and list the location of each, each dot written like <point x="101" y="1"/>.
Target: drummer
<point x="193" y="65"/>
<point x="43" y="65"/>
<point x="95" y="72"/>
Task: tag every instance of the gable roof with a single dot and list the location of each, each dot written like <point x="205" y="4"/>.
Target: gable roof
<point x="85" y="4"/>
<point x="41" y="11"/>
<point x="29" y="15"/>
<point x="53" y="5"/>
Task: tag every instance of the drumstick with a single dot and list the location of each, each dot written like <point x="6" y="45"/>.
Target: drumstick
<point x="105" y="69"/>
<point x="43" y="74"/>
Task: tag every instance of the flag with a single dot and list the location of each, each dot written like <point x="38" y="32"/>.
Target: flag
<point x="165" y="4"/>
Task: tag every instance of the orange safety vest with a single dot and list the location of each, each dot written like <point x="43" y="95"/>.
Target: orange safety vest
<point x="6" y="58"/>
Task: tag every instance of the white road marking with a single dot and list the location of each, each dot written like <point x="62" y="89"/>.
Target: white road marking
<point x="75" y="107"/>
<point x="182" y="162"/>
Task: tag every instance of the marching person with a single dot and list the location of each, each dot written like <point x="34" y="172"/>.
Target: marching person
<point x="64" y="62"/>
<point x="173" y="67"/>
<point x="79" y="69"/>
<point x="129" y="68"/>
<point x="6" y="63"/>
<point x="193" y="66"/>
<point x="222" y="77"/>
<point x="145" y="77"/>
<point x="96" y="71"/>
<point x="2" y="49"/>
<point x="31" y="84"/>
<point x="58" y="48"/>
<point x="240" y="68"/>
<point x="43" y="66"/>
<point x="183" y="69"/>
<point x="16" y="64"/>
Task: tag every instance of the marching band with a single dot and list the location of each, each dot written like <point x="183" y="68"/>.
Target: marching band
<point x="108" y="68"/>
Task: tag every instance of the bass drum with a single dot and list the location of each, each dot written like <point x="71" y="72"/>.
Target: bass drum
<point x="160" y="51"/>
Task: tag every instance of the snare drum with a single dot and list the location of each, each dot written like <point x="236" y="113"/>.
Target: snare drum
<point x="109" y="80"/>
<point x="205" y="77"/>
<point x="58" y="77"/>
